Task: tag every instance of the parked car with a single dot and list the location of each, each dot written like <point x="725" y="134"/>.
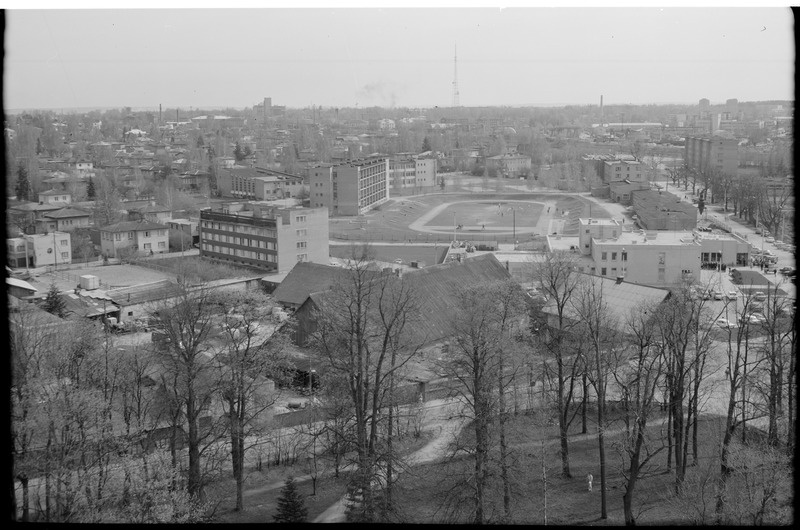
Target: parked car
<point x="725" y="323"/>
<point x="753" y="318"/>
<point x="778" y="243"/>
<point x="759" y="296"/>
<point x="732" y="295"/>
<point x="770" y="239"/>
<point x="704" y="228"/>
<point x="718" y="295"/>
<point x="787" y="271"/>
<point x="758" y="231"/>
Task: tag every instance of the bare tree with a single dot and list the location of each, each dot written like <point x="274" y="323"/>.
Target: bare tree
<point x="638" y="375"/>
<point x="363" y="328"/>
<point x="557" y="279"/>
<point x="252" y="356"/>
<point x="187" y="320"/>
<point x="599" y="330"/>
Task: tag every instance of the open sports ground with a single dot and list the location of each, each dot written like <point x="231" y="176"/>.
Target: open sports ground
<point x="525" y="218"/>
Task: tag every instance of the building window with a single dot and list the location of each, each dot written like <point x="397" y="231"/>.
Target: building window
<point x="613" y="256"/>
<point x="64" y="243"/>
<point x="661" y="274"/>
<point x="300" y="219"/>
<point x="162" y="244"/>
<point x="302" y="232"/>
<point x="302" y="257"/>
<point x="118" y="237"/>
<point x="603" y="271"/>
<point x="301" y="244"/>
<point x="147" y="233"/>
<point x="603" y="256"/>
<point x="147" y="246"/>
<point x="64" y="255"/>
<point x="662" y="257"/>
<point x="624" y="256"/>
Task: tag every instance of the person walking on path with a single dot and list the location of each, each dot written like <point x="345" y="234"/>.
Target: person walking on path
<point x="589" y="479"/>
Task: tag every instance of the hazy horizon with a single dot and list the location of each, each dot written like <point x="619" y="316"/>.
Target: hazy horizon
<point x="395" y="58"/>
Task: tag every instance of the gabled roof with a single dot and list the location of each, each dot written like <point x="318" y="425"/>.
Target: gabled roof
<point x="132" y="226"/>
<point x="306" y="278"/>
<point x="66" y="213"/>
<point x="148" y="292"/>
<point x="435" y="290"/>
<point x="51" y="193"/>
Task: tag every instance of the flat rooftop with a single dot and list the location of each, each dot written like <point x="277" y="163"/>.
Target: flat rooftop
<point x="661" y="237"/>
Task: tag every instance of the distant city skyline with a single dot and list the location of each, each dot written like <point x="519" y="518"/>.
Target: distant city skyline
<point x="217" y="58"/>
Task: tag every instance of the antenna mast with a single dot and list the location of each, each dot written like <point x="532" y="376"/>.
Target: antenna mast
<point x="455" y="78"/>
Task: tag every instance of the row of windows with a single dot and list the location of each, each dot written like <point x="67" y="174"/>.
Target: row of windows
<point x="239" y="229"/>
<point x="604" y="256"/>
<point x="249" y="254"/>
<point x="259" y="243"/>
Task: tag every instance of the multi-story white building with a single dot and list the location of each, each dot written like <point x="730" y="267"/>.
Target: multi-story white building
<point x="714" y="153"/>
<point x="350" y="188"/>
<point x="654" y="257"/>
<point x="265" y="236"/>
<point x="41" y="250"/>
<point x="411" y="174"/>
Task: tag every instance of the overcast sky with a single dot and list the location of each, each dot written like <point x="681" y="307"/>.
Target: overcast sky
<point x="395" y="57"/>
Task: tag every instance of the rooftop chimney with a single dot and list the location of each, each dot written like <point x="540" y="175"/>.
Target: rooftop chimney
<point x="620" y="279"/>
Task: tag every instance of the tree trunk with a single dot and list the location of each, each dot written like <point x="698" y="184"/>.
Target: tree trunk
<point x="584" y="404"/>
<point x="195" y="486"/>
<point x="562" y="422"/>
<point x="503" y="445"/>
<point x="670" y="445"/>
<point x="237" y="456"/>
<point x="602" y="452"/>
<point x="23" y="480"/>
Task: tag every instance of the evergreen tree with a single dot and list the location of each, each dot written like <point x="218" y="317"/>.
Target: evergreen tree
<point x="426" y="144"/>
<point x="238" y="154"/>
<point x="53" y="303"/>
<point x="23" y="187"/>
<point x="291" y="506"/>
<point x="38" y="146"/>
<point x="90" y="191"/>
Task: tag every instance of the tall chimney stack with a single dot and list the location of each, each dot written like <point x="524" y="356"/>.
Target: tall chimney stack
<point x="159" y="113"/>
<point x="601" y="109"/>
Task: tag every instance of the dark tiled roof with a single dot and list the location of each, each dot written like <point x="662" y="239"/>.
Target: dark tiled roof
<point x="66" y="213"/>
<point x="435" y="290"/>
<point x="132" y="226"/>
<point x="306" y="278"/>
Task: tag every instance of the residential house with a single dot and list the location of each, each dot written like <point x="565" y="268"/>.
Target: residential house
<point x="141" y="237"/>
<point x="43" y="250"/>
<point x="64" y="219"/>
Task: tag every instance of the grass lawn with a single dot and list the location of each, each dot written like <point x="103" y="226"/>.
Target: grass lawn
<point x="435" y="493"/>
<point x="260" y="499"/>
<point x="389" y="253"/>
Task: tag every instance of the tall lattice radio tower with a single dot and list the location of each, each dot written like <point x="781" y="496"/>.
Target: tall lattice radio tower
<point x="456" y="103"/>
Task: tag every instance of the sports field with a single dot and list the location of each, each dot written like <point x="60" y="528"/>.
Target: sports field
<point x="476" y="216"/>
